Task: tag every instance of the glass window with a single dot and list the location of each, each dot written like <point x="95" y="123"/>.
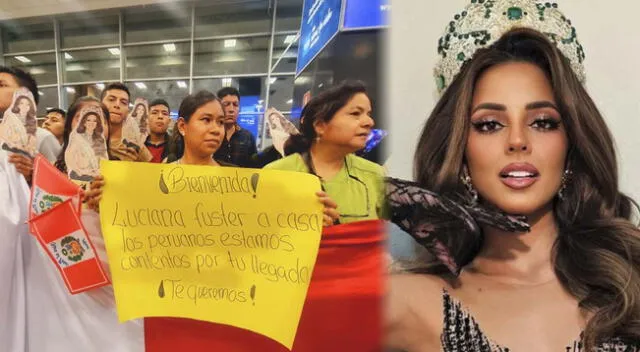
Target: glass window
<point x="91" y="65"/>
<point x="158" y="60"/>
<point x="89" y="28"/>
<point x="254" y="87"/>
<point x="289" y="15"/>
<point x="231" y="56"/>
<point x="162" y="22"/>
<point x="48" y="100"/>
<point x="74" y="91"/>
<point x="288" y="57"/>
<point x="252" y="94"/>
<point x="171" y="91"/>
<point x="227" y="18"/>
<point x="28" y="35"/>
<point x="281" y="93"/>
<point x="41" y="66"/>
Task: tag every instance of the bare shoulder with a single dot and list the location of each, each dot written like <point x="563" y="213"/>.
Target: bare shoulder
<point x="414" y="311"/>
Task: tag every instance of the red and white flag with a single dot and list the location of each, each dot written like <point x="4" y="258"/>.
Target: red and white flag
<point x="50" y="188"/>
<point x="60" y="231"/>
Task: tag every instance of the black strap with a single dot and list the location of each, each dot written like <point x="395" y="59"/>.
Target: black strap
<point x="306" y="157"/>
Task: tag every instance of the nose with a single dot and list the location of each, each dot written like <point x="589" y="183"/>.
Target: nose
<point x="368" y="122"/>
<point x="216" y="130"/>
<point x="518" y="140"/>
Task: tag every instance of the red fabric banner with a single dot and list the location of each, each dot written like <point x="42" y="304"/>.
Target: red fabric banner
<point x="342" y="312"/>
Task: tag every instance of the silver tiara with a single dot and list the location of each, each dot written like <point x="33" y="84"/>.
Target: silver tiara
<point x="483" y="22"/>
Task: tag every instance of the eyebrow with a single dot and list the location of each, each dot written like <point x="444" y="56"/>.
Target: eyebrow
<point x="540" y="105"/>
<point x="360" y="108"/>
<point x="500" y="107"/>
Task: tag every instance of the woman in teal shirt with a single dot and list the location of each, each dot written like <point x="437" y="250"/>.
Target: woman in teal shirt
<point x="334" y="125"/>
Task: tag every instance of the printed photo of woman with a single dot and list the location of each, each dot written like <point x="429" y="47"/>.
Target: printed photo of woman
<point x="18" y="128"/>
<point x="136" y="126"/>
<point x="141" y="114"/>
<point x="87" y="145"/>
<point x="280" y="129"/>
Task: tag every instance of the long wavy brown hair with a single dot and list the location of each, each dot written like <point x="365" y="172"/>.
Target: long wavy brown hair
<point x="597" y="253"/>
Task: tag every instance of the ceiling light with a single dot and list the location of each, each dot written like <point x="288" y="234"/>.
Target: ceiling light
<point x="114" y="51"/>
<point x="23" y="59"/>
<point x="226" y="82"/>
<point x="170" y="47"/>
<point x="141" y="85"/>
<point x="75" y="68"/>
<point x="272" y="80"/>
<point x="71" y="90"/>
<point x="289" y="39"/>
<point x="37" y="71"/>
<point x="230" y="43"/>
<point x="100" y="86"/>
<point x="182" y="84"/>
<point x="68" y="56"/>
<point x="290" y="101"/>
<point x="40" y="93"/>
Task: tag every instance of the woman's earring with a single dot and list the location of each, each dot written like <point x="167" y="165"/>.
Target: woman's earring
<point x="466" y="180"/>
<point x="566" y="177"/>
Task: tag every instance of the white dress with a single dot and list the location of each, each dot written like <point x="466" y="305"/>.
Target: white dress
<point x="36" y="311"/>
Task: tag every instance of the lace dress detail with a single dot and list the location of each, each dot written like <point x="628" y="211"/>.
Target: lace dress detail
<point x="461" y="333"/>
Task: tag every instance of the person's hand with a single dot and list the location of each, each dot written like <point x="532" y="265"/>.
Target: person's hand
<point x="23" y="164"/>
<point x="94" y="194"/>
<point x="330" y="212"/>
<point x="132" y="153"/>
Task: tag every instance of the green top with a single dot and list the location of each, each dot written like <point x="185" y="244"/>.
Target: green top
<point x="358" y="182"/>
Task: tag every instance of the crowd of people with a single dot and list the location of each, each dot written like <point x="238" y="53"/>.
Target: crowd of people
<point x="334" y="125"/>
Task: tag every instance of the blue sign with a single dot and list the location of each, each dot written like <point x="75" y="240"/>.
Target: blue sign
<point x="250" y="113"/>
<point x="320" y="23"/>
<point x="249" y="122"/>
<point x="361" y="14"/>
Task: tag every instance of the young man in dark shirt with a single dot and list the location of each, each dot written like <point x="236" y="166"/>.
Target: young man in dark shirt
<point x="158" y="124"/>
<point x="239" y="145"/>
<point x="116" y="98"/>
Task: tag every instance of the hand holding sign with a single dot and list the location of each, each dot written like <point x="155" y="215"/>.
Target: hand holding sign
<point x="226" y="245"/>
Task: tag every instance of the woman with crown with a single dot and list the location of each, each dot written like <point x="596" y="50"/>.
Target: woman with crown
<point x="516" y="197"/>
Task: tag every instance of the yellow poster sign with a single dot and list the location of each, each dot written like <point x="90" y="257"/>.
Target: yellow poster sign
<point x="225" y="245"/>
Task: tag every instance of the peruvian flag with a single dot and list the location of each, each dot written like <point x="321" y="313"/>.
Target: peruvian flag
<point x="50" y="188"/>
<point x="60" y="232"/>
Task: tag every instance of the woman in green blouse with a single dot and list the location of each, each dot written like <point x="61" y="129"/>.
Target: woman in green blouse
<point x="335" y="124"/>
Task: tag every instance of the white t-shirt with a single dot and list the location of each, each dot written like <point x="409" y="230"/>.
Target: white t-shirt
<point x="48" y="144"/>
